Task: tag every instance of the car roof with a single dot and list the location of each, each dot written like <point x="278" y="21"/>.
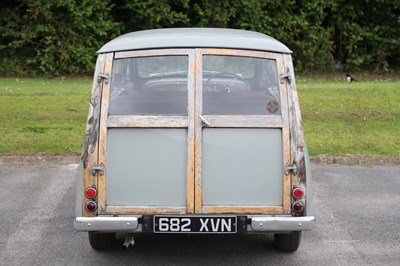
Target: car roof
<point x="194" y="38"/>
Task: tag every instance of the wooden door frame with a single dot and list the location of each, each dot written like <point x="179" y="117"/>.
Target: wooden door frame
<point x="241" y="121"/>
<point x="193" y="123"/>
<point x="140" y="121"/>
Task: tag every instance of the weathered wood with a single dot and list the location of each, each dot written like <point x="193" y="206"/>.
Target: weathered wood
<point x="270" y="210"/>
<point x="90" y="149"/>
<point x="148" y="121"/>
<point x="159" y="52"/>
<point x="198" y="134"/>
<point x="237" y="52"/>
<point x="101" y="179"/>
<point x="144" y="210"/>
<point x="287" y="182"/>
<point x="239" y="121"/>
<point x="296" y="133"/>
<point x="245" y="121"/>
<point x="194" y="200"/>
<point x="190" y="209"/>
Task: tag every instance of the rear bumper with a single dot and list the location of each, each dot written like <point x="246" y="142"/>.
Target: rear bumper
<point x="257" y="224"/>
<point x="282" y="223"/>
<point x="100" y="223"/>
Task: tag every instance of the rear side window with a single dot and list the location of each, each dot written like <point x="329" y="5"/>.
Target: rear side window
<point x="149" y="86"/>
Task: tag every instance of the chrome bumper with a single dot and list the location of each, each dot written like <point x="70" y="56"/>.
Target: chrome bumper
<point x="282" y="223"/>
<point x="106" y="223"/>
<point x="266" y="223"/>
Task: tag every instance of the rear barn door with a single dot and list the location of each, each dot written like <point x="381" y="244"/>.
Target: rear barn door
<point x="149" y="134"/>
<point x="200" y="131"/>
<point x="241" y="133"/>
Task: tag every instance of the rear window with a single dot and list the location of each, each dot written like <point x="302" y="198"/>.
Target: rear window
<point x="149" y="86"/>
<point x="234" y="85"/>
<point x="161" y="66"/>
<point x="242" y="66"/>
<point x="158" y="85"/>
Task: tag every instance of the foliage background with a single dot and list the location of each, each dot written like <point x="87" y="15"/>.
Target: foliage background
<point x="60" y="37"/>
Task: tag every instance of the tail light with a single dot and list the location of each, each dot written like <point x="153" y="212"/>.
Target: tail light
<point x="297" y="193"/>
<point x="91" y="206"/>
<point x="297" y="206"/>
<point x="91" y="192"/>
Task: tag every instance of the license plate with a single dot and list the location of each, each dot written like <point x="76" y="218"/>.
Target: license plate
<point x="195" y="224"/>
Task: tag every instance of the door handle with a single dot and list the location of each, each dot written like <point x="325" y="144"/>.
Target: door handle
<point x="204" y="121"/>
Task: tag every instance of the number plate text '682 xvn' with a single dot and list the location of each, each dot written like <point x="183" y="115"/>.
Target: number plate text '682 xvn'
<point x="195" y="224"/>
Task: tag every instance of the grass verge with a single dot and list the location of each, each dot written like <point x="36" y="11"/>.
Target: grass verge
<point x="362" y="118"/>
<point x="43" y="115"/>
<point x="359" y="118"/>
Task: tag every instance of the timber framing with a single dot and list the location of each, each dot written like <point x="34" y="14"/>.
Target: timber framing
<point x="99" y="122"/>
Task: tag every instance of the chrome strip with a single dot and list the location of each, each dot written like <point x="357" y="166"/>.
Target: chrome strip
<point x="282" y="224"/>
<point x="106" y="223"/>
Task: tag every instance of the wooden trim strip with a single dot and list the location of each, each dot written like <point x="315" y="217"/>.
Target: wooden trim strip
<point x="287" y="182"/>
<point x="147" y="121"/>
<point x="198" y="133"/>
<point x="271" y="210"/>
<point x="144" y="210"/>
<point x="90" y="150"/>
<point x="156" y="52"/>
<point x="190" y="140"/>
<point x="237" y="52"/>
<point x="101" y="179"/>
<point x="245" y="121"/>
<point x="296" y="134"/>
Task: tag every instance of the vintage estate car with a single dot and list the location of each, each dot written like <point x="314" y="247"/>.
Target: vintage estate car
<point x="194" y="130"/>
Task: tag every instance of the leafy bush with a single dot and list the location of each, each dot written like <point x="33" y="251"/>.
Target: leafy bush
<point x="54" y="37"/>
<point x="60" y="37"/>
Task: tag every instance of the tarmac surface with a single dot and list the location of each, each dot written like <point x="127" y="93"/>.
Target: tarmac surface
<point x="357" y="211"/>
<point x="322" y="159"/>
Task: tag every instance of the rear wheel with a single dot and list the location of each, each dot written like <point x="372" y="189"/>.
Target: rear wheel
<point x="288" y="242"/>
<point x="101" y="241"/>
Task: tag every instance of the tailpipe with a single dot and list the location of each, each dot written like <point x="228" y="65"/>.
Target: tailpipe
<point x="129" y="242"/>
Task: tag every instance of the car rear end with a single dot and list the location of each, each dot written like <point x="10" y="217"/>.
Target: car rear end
<point x="194" y="138"/>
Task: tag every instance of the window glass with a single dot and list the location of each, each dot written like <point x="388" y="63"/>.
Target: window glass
<point x="149" y="86"/>
<point x="234" y="85"/>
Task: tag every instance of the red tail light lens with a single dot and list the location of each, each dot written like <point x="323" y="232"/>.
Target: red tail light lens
<point x="91" y="206"/>
<point x="91" y="192"/>
<point x="297" y="193"/>
<point x="297" y="206"/>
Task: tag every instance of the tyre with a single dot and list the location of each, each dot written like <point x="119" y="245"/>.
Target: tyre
<point x="101" y="241"/>
<point x="288" y="242"/>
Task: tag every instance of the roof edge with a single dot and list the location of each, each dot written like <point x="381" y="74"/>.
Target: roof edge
<point x="194" y="38"/>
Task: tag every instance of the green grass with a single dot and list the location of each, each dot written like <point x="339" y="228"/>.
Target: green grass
<point x="359" y="118"/>
<point x="43" y="115"/>
<point x="48" y="116"/>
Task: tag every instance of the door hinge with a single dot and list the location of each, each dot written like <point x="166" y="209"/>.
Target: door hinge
<point x="286" y="76"/>
<point x="101" y="76"/>
<point x="95" y="168"/>
<point x="291" y="168"/>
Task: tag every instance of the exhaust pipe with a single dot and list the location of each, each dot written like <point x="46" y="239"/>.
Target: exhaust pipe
<point x="129" y="241"/>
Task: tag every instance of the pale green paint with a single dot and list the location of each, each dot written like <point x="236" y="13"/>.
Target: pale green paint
<point x="194" y="38"/>
<point x="146" y="167"/>
<point x="242" y="167"/>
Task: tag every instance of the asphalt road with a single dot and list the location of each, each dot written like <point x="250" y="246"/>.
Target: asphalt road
<point x="357" y="210"/>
